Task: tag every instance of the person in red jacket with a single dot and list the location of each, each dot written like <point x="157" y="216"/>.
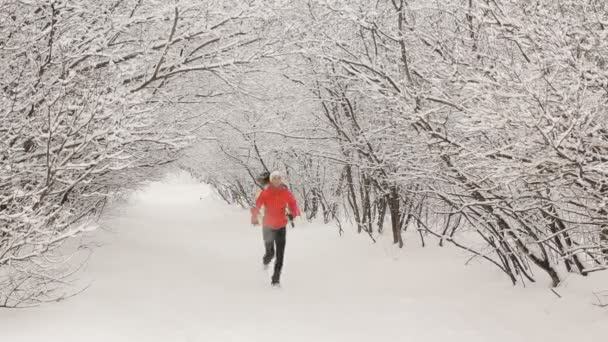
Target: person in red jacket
<point x="275" y="199"/>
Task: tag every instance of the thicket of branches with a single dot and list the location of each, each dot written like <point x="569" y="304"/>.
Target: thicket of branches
<point x="481" y="123"/>
<point x="94" y="97"/>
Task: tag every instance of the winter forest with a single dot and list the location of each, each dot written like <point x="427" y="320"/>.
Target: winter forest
<point x="476" y="125"/>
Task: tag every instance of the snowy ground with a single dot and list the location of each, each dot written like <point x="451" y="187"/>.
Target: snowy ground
<point x="176" y="267"/>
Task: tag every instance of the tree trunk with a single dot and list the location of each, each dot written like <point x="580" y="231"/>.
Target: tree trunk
<point x="394" y="204"/>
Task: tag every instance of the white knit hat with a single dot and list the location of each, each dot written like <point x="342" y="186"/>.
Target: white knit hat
<point x="276" y="174"/>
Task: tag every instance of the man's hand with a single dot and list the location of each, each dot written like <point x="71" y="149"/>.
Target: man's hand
<point x="254" y="217"/>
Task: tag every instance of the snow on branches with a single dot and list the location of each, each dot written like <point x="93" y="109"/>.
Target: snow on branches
<point x="481" y="123"/>
<point x="94" y="96"/>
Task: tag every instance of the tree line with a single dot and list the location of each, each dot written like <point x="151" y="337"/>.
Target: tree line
<point x="482" y="124"/>
<point x="478" y="124"/>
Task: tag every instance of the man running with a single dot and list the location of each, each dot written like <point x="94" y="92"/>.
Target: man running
<point x="275" y="199"/>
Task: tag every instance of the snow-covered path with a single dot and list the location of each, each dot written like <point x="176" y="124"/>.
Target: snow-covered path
<point x="180" y="268"/>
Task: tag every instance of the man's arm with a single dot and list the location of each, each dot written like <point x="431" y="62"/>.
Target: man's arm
<point x="259" y="202"/>
<point x="292" y="204"/>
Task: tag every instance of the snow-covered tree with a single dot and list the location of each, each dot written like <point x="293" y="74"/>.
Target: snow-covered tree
<point x="482" y="123"/>
<point x="95" y="95"/>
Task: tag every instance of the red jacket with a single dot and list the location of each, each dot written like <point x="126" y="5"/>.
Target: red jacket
<point x="275" y="201"/>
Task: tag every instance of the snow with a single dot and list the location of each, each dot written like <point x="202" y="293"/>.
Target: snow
<point x="177" y="264"/>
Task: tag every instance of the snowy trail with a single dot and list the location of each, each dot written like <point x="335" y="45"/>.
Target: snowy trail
<point x="180" y="268"/>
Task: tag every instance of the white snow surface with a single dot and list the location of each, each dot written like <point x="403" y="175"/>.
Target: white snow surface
<point x="177" y="264"/>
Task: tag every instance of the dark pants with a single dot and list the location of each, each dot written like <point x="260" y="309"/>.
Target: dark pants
<point x="274" y="240"/>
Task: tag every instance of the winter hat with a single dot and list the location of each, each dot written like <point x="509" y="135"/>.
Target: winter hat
<point x="276" y="174"/>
